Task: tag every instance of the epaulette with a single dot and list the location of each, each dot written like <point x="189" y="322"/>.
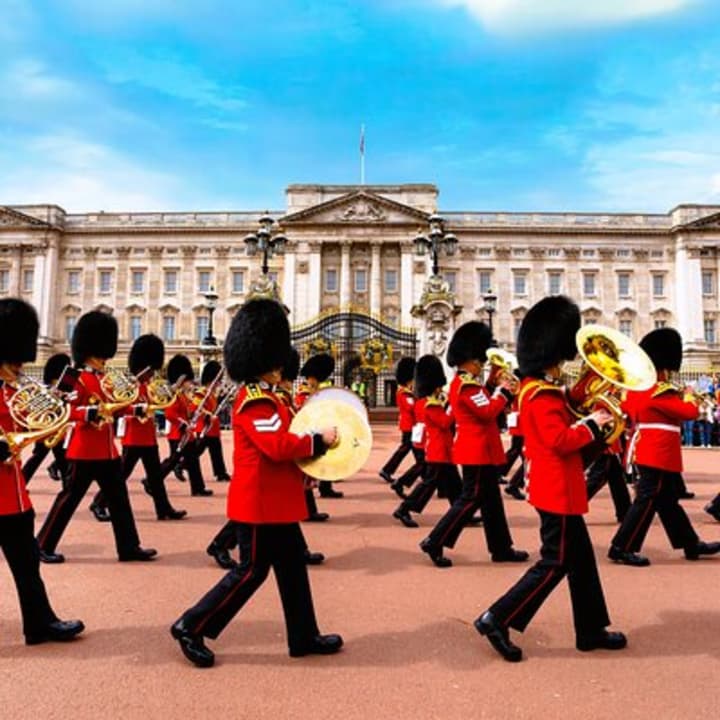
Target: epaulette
<point x="469" y="379"/>
<point x="664" y="387"/>
<point x="304" y="390"/>
<point x="405" y="390"/>
<point x="434" y="401"/>
<point x="534" y="387"/>
<point x="255" y="392"/>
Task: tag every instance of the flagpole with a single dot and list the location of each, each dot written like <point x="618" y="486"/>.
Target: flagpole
<point x="362" y="154"/>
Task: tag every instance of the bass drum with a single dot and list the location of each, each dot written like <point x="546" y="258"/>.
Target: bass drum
<point x="340" y="395"/>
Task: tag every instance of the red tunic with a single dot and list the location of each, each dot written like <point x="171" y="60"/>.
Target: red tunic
<point x="139" y="432"/>
<point x="418" y="431"/>
<point x="439" y="431"/>
<point x="266" y="485"/>
<point x="553" y="440"/>
<point x="301" y="396"/>
<point x="513" y="420"/>
<point x="657" y="415"/>
<point x="89" y="441"/>
<point x="178" y="415"/>
<point x="477" y="437"/>
<point x="405" y="401"/>
<point x="14" y="498"/>
<point x="209" y="407"/>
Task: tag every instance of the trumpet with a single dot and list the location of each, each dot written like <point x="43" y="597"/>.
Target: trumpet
<point x="121" y="388"/>
<point x="688" y="392"/>
<point x="503" y="365"/>
<point x="612" y="363"/>
<point x="40" y="411"/>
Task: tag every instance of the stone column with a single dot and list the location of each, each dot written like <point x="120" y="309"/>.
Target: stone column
<point x="88" y="286"/>
<point x="152" y="322"/>
<point x="375" y="279"/>
<point x="288" y="288"/>
<point x="314" y="281"/>
<point x="224" y="291"/>
<point x="688" y="288"/>
<point x="345" y="279"/>
<point x="186" y="295"/>
<point x="45" y="296"/>
<point x="16" y="262"/>
<point x="407" y="299"/>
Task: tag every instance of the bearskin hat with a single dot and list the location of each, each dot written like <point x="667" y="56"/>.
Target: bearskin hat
<point x="318" y="366"/>
<point x="148" y="351"/>
<point x="292" y="366"/>
<point x="547" y="335"/>
<point x="405" y="370"/>
<point x="54" y="367"/>
<point x="469" y="342"/>
<point x="429" y="375"/>
<point x="19" y="328"/>
<point x="258" y="340"/>
<point x="210" y="371"/>
<point x="95" y="335"/>
<point x="664" y="347"/>
<point x="178" y="367"/>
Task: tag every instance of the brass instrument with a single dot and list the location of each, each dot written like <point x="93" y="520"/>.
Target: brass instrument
<point x="503" y="366"/>
<point x="612" y="362"/>
<point x="700" y="399"/>
<point x="42" y="412"/>
<point x="121" y="388"/>
<point x="160" y="393"/>
<point x="337" y="408"/>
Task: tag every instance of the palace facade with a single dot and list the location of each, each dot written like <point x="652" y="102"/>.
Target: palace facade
<point x="351" y="247"/>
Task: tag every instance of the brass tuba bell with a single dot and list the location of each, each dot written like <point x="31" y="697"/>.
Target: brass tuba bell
<point x="612" y="362"/>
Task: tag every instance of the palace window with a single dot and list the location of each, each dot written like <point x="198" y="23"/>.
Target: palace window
<point x="238" y="281"/>
<point x="135" y="327"/>
<point x="625" y="327"/>
<point x="708" y="282"/>
<point x="4" y="281"/>
<point x="554" y="252"/>
<point x="519" y="283"/>
<point x="171" y="278"/>
<point x="137" y="281"/>
<point x="660" y="324"/>
<point x="70" y="321"/>
<point x="589" y="284"/>
<point x="658" y="285"/>
<point x="554" y="283"/>
<point x="168" y="325"/>
<point x="622" y="253"/>
<point x="484" y="281"/>
<point x="588" y="252"/>
<point x="28" y="280"/>
<point x="517" y="322"/>
<point x="203" y="277"/>
<point x="451" y="279"/>
<point x="105" y="282"/>
<point x="709" y="327"/>
<point x="623" y="284"/>
<point x="391" y="281"/>
<point x="331" y="280"/>
<point x="202" y="325"/>
<point x="361" y="280"/>
<point x="73" y="281"/>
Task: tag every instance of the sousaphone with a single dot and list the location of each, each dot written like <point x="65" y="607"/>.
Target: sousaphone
<point x="335" y="407"/>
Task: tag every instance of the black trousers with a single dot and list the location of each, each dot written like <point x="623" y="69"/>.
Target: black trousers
<point x="17" y="540"/>
<point x="608" y="470"/>
<point x="416" y="470"/>
<point x="399" y="455"/>
<point x="280" y="547"/>
<point x="655" y="491"/>
<point x="512" y="453"/>
<point x="443" y="477"/>
<point x="39" y="453"/>
<point x="227" y="537"/>
<point x="565" y="549"/>
<point x="310" y="501"/>
<point x="214" y="447"/>
<point x="480" y="489"/>
<point x="191" y="463"/>
<point x="108" y="475"/>
<point x="150" y="456"/>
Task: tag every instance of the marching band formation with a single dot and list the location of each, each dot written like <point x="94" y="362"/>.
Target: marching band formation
<point x="620" y="418"/>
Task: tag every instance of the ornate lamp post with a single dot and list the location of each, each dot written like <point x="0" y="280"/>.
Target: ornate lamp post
<point x="262" y="240"/>
<point x="490" y="307"/>
<point x="435" y="240"/>
<point x="211" y="301"/>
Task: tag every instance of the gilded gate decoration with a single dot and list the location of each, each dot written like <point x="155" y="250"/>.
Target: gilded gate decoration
<point x="363" y="347"/>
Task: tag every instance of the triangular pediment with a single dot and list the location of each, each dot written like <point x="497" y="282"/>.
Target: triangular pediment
<point x="13" y="219"/>
<point x="358" y="208"/>
<point x="709" y="222"/>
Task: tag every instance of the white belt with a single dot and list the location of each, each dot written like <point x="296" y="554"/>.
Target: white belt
<point x="630" y="454"/>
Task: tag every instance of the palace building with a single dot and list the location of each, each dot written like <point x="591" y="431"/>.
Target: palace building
<point x="350" y="254"/>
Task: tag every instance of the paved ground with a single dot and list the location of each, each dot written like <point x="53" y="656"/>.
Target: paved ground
<point x="411" y="651"/>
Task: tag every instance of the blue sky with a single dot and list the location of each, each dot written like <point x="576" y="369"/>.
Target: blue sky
<point x="546" y="105"/>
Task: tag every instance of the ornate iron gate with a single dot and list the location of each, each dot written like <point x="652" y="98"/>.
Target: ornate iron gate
<point x="362" y="345"/>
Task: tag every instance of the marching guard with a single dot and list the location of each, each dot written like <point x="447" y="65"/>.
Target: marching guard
<point x="477" y="448"/>
<point x="265" y="498"/>
<point x="208" y="425"/>
<point x="19" y="328"/>
<point x="91" y="446"/>
<point x="655" y="449"/>
<point x="556" y="485"/>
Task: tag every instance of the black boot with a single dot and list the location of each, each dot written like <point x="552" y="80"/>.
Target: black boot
<point x="192" y="646"/>
<point x="102" y="514"/>
<point x="498" y="636"/>
<point x="221" y="556"/>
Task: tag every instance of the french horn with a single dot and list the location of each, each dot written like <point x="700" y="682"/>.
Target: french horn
<point x="503" y="365"/>
<point x="612" y="363"/>
<point x="121" y="390"/>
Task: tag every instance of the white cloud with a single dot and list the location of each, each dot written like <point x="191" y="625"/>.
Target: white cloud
<point x="31" y="79"/>
<point x="509" y="17"/>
